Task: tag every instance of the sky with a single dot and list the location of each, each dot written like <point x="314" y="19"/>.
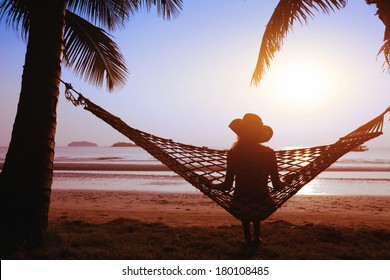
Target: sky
<point x="189" y="77"/>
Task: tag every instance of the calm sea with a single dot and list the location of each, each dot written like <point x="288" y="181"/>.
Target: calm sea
<point x="357" y="173"/>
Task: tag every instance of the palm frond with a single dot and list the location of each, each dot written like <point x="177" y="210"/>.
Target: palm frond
<point x="112" y="14"/>
<point x="92" y="54"/>
<point x="383" y="13"/>
<point x="385" y="49"/>
<point x="165" y="8"/>
<point x="286" y="13"/>
<point x="16" y="15"/>
<point x="109" y="14"/>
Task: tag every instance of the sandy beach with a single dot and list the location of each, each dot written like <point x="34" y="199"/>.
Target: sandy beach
<point x="188" y="210"/>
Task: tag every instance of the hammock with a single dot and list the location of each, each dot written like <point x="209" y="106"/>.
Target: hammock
<point x="201" y="165"/>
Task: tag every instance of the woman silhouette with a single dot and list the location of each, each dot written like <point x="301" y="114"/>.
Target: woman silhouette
<point x="250" y="164"/>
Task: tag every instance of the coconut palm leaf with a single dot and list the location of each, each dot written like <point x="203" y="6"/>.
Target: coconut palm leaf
<point x="385" y="49"/>
<point x="383" y="13"/>
<point x="286" y="13"/>
<point x="91" y="52"/>
<point x="114" y="13"/>
<point x="15" y="13"/>
<point x="108" y="14"/>
<point x="165" y="8"/>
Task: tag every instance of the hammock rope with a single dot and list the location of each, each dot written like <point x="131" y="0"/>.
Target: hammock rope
<point x="201" y="165"/>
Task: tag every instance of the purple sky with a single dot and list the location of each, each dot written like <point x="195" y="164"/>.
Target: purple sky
<point x="190" y="77"/>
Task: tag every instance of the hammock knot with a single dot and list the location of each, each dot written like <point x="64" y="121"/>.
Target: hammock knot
<point x="80" y="100"/>
<point x="68" y="95"/>
<point x="68" y="86"/>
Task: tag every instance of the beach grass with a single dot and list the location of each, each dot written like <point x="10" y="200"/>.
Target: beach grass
<point x="127" y="239"/>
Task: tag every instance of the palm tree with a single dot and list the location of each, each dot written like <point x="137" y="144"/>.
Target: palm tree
<point x="287" y="12"/>
<point x="55" y="30"/>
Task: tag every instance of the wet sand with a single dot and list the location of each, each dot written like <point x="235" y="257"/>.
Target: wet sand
<point x="198" y="210"/>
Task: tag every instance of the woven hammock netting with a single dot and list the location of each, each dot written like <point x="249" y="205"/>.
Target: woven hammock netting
<point x="201" y="165"/>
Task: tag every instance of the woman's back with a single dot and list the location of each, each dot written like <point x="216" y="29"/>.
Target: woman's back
<point x="252" y="164"/>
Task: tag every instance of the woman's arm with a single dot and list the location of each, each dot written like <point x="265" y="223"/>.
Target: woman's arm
<point x="275" y="179"/>
<point x="229" y="177"/>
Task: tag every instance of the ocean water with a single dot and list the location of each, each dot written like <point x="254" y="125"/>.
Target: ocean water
<point x="356" y="173"/>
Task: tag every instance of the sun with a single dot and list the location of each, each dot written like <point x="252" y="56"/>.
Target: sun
<point x="303" y="83"/>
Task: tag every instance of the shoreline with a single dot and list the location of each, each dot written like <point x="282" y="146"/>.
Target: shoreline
<point x="189" y="210"/>
<point x="161" y="167"/>
<point x="120" y="166"/>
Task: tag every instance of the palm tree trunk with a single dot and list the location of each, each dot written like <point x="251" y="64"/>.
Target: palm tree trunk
<point x="26" y="178"/>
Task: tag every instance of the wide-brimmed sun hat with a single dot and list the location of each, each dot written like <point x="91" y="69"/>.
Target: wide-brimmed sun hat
<point x="251" y="126"/>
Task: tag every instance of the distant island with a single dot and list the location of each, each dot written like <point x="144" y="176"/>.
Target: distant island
<point x="82" y="144"/>
<point x="123" y="144"/>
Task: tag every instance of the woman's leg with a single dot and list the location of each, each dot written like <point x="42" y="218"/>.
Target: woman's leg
<point x="256" y="231"/>
<point x="247" y="232"/>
